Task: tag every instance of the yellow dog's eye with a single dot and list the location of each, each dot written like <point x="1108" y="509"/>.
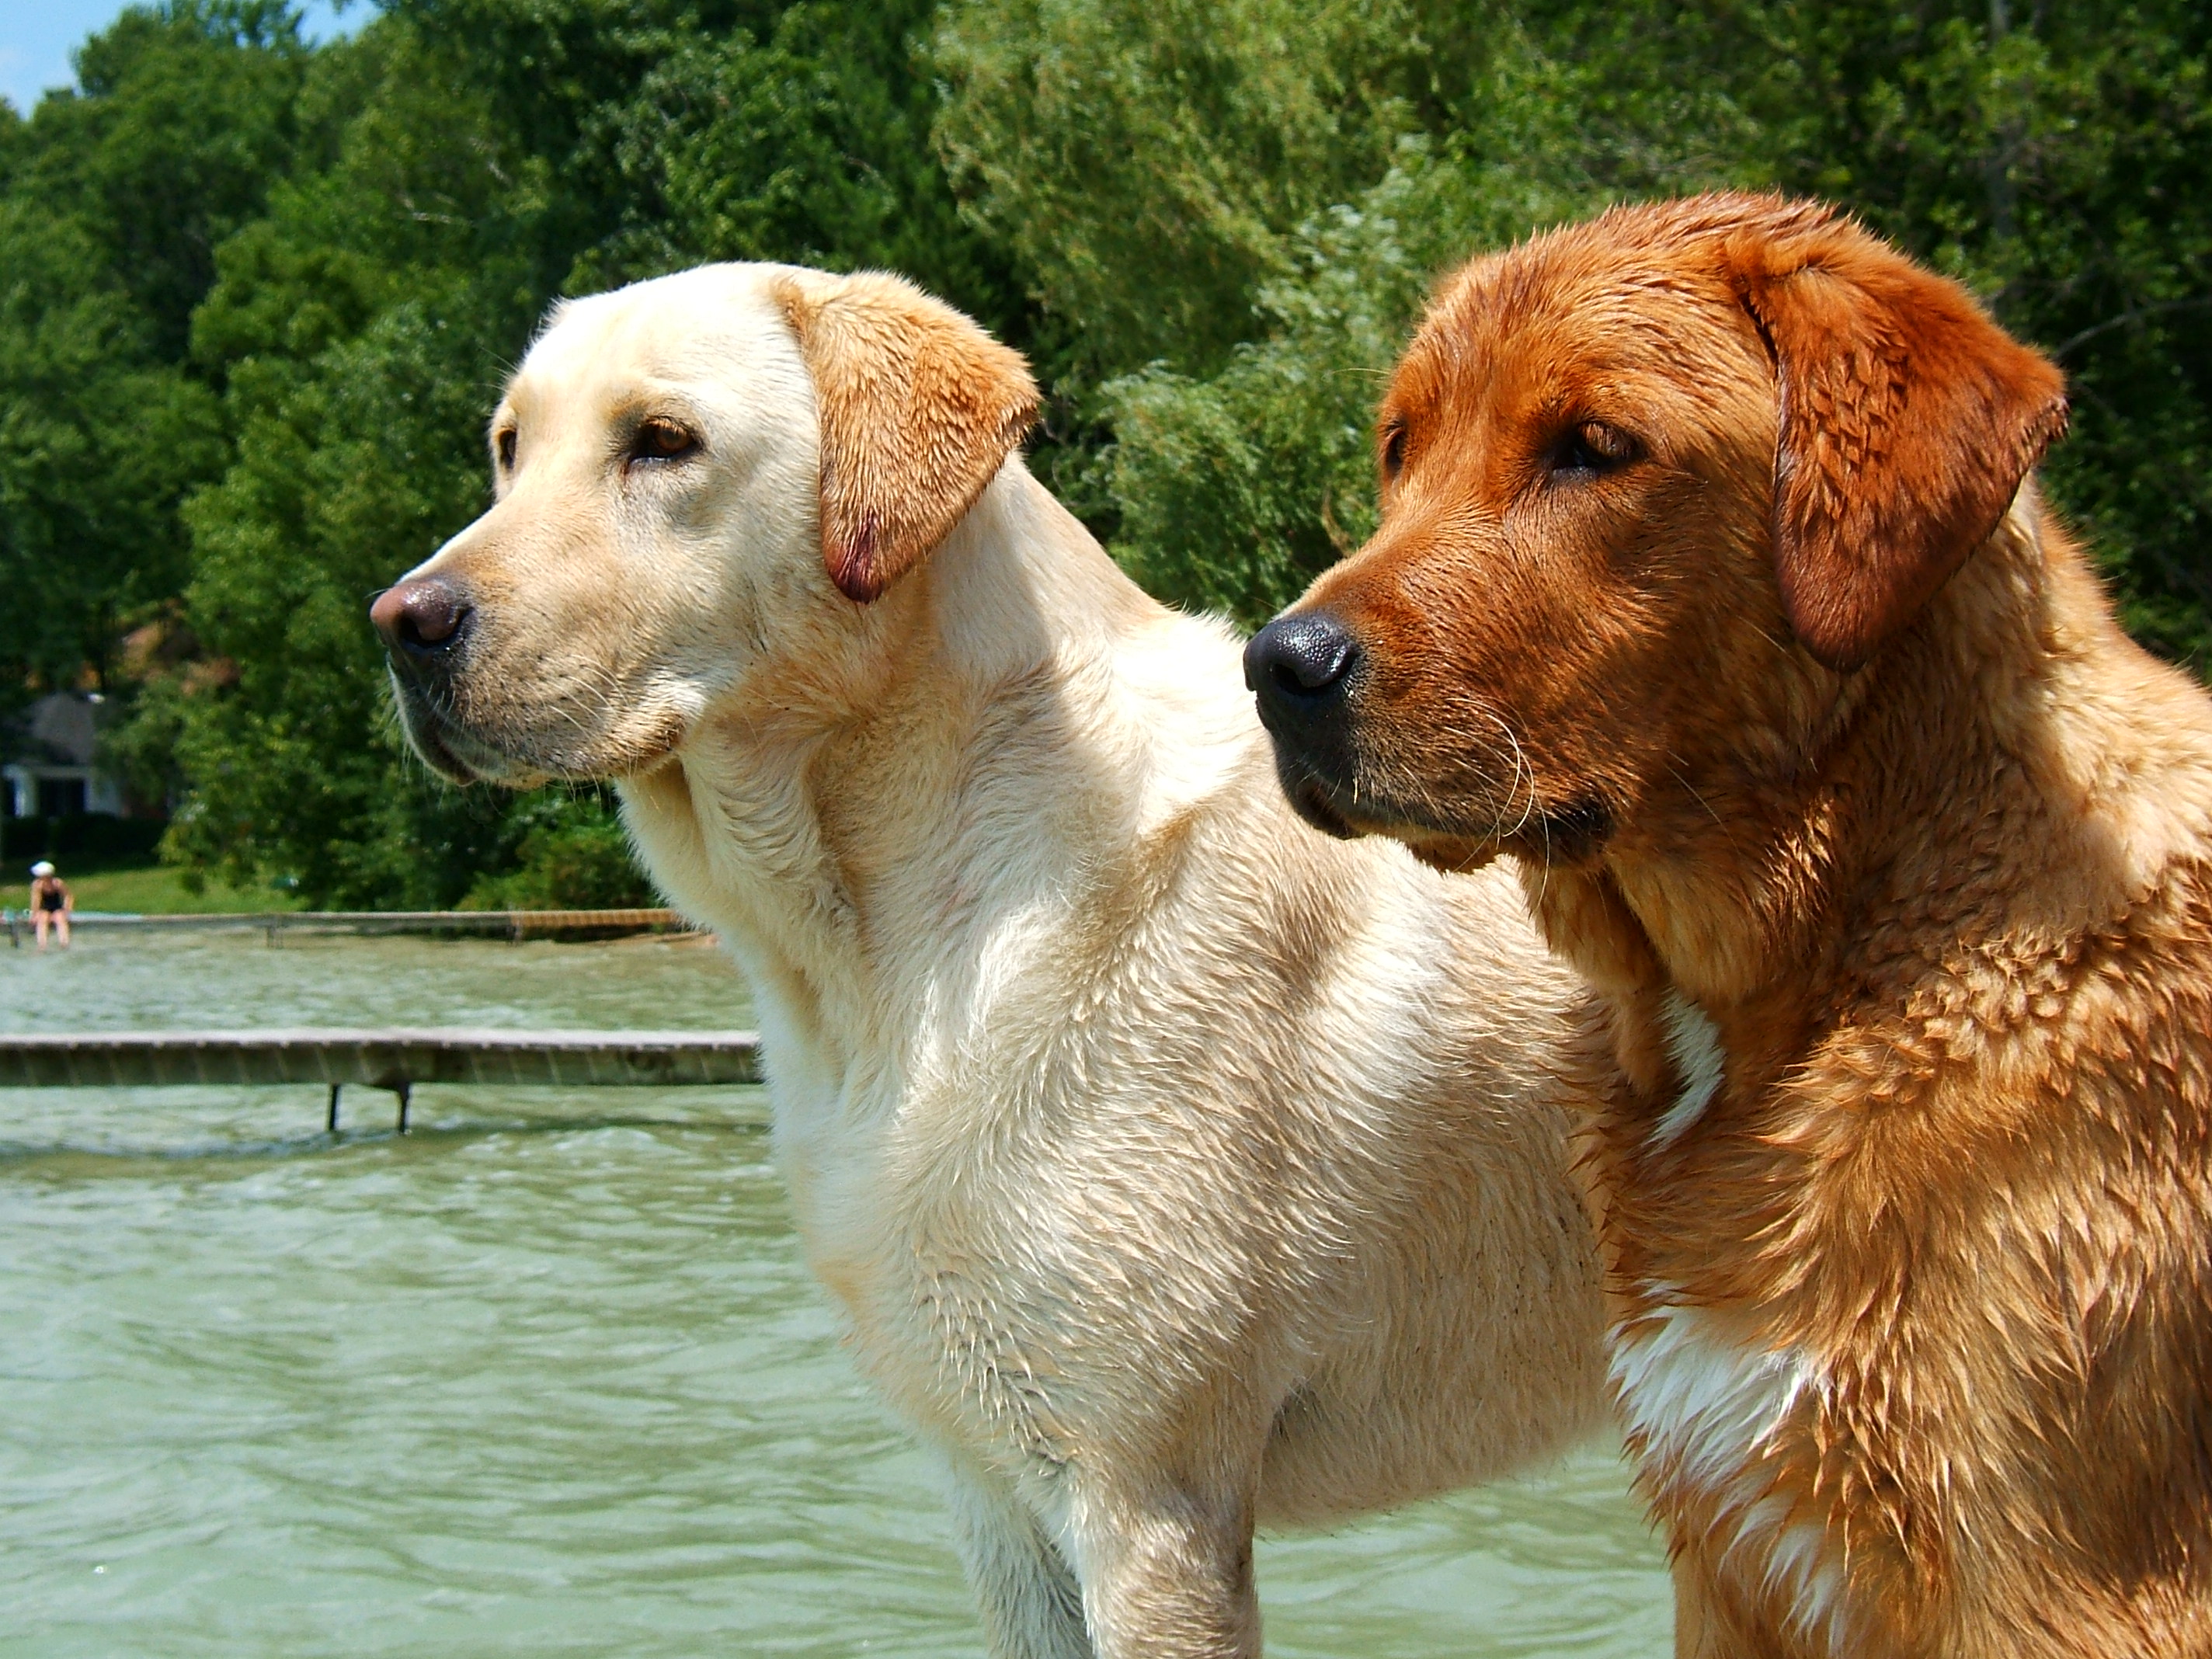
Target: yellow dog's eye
<point x="661" y="439"/>
<point x="505" y="445"/>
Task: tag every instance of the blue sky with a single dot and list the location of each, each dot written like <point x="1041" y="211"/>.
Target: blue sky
<point x="37" y="36"/>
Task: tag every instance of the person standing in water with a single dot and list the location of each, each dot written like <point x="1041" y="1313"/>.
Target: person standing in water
<point x="50" y="903"/>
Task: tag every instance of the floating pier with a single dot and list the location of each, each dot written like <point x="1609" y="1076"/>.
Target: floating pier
<point x="394" y="1059"/>
<point x="515" y="925"/>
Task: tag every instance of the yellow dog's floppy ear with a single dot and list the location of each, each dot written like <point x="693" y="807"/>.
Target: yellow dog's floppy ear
<point x="1909" y="419"/>
<point x="918" y="407"/>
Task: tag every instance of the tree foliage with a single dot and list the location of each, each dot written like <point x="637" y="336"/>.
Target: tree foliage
<point x="2056" y="160"/>
<point x="256" y="296"/>
<point x="112" y="201"/>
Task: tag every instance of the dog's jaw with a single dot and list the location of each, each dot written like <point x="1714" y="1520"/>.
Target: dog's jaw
<point x="426" y="734"/>
<point x="1310" y="798"/>
<point x="462" y="756"/>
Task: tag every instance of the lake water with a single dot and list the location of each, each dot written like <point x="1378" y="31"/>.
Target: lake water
<point x="544" y="1376"/>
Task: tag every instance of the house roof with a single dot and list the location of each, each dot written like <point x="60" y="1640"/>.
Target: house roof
<point x="60" y="729"/>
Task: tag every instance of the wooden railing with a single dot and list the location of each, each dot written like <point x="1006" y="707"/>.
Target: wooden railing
<point x="394" y="1059"/>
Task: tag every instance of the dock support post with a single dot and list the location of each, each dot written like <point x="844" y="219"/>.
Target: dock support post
<point x="406" y="1095"/>
<point x="333" y="1124"/>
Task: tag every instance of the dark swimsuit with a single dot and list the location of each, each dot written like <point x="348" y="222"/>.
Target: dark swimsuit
<point x="51" y="901"/>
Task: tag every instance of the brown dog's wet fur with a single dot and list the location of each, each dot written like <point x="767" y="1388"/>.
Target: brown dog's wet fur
<point x="1713" y="585"/>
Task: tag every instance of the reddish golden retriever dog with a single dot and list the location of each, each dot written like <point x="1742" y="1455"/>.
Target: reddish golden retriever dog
<point x="1712" y="585"/>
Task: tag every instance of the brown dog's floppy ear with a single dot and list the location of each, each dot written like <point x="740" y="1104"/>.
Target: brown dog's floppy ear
<point x="918" y="409"/>
<point x="1908" y="420"/>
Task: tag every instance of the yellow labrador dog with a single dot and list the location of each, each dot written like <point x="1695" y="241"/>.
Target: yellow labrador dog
<point x="1179" y="1168"/>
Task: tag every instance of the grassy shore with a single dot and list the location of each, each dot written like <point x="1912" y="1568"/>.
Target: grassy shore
<point x="147" y="889"/>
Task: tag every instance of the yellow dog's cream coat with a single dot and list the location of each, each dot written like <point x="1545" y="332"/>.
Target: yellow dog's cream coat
<point x="1178" y="1167"/>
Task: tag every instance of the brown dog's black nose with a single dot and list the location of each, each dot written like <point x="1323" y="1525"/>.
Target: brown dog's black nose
<point x="425" y="619"/>
<point x="1300" y="662"/>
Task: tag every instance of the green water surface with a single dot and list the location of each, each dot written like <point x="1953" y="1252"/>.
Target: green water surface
<point x="544" y="1376"/>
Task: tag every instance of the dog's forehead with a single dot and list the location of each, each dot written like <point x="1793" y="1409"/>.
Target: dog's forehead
<point x="693" y="328"/>
<point x="1540" y="319"/>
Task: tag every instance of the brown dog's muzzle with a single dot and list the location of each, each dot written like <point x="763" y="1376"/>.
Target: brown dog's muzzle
<point x="1304" y="669"/>
<point x="1355" y="752"/>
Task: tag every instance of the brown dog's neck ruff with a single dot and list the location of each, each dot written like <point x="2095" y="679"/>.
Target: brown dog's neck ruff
<point x="1744" y="872"/>
<point x="1938" y="986"/>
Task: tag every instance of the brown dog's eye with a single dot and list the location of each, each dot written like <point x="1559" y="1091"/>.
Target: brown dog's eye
<point x="504" y="445"/>
<point x="1394" y="449"/>
<point x="660" y="439"/>
<point x="1591" y="447"/>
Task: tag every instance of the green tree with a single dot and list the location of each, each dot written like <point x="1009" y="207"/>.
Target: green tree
<point x="482" y="161"/>
<point x="2057" y="157"/>
<point x="1148" y="161"/>
<point x="255" y="296"/>
<point x="111" y="200"/>
<point x="296" y="766"/>
<point x="808" y="141"/>
<point x="182" y="121"/>
<point x="1240" y="284"/>
<point x="1240" y="289"/>
<point x="359" y="331"/>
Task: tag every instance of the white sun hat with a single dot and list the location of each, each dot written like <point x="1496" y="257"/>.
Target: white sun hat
<point x="42" y="868"/>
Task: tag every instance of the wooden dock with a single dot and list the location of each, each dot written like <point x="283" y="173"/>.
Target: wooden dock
<point x="515" y="925"/>
<point x="395" y="1060"/>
